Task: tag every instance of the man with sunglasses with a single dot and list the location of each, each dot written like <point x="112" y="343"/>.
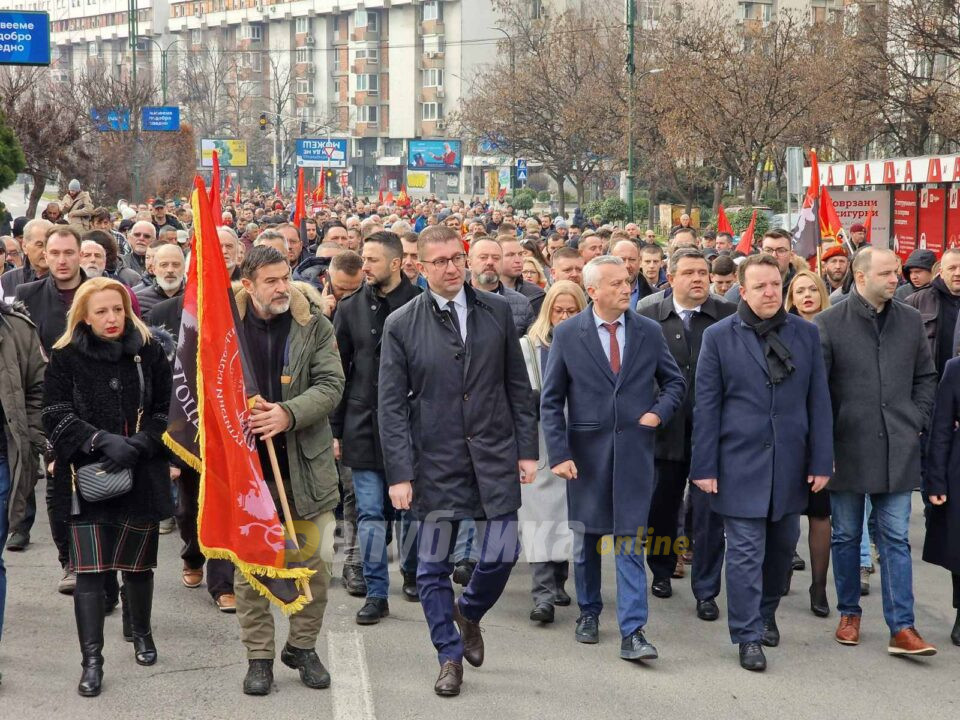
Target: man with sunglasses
<point x="458" y="432"/>
<point x="141" y="236"/>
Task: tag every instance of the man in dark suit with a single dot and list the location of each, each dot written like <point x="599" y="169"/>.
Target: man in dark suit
<point x="612" y="372"/>
<point x="458" y="432"/>
<point x="762" y="431"/>
<point x="683" y="316"/>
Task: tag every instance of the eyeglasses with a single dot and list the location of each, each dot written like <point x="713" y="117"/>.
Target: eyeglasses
<point x="441" y="263"/>
<point x="146" y="235"/>
<point x="776" y="251"/>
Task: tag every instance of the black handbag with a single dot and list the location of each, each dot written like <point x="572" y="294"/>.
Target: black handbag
<point x="95" y="484"/>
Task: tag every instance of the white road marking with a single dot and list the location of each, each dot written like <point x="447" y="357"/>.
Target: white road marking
<point x="352" y="696"/>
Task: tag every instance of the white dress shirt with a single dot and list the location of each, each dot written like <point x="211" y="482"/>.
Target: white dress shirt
<point x="460" y="305"/>
<point x="604" y="335"/>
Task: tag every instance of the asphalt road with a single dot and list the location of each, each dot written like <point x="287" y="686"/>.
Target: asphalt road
<point x="388" y="670"/>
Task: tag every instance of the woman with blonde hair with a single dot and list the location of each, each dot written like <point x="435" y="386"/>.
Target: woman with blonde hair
<point x="106" y="393"/>
<point x="547" y="540"/>
<point x="807" y="296"/>
<point x="533" y="273"/>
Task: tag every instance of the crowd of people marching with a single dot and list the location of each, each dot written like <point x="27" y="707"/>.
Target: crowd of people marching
<point x="483" y="387"/>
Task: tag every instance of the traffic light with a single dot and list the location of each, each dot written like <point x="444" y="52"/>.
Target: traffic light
<point x="303" y="127"/>
<point x="263" y="121"/>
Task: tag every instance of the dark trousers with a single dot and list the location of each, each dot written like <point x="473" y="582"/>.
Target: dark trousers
<point x="632" y="609"/>
<point x="955" y="577"/>
<point x="219" y="572"/>
<point x="759" y="557"/>
<point x="708" y="547"/>
<point x="499" y="551"/>
<point x="548" y="578"/>
<point x="663" y="518"/>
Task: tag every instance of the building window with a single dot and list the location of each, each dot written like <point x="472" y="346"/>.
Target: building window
<point x="431" y="10"/>
<point x="371" y="55"/>
<point x="253" y="61"/>
<point x="536" y="9"/>
<point x="431" y="111"/>
<point x="433" y="77"/>
<point x="367" y="19"/>
<point x="304" y="86"/>
<point x="368" y="114"/>
<point x="196" y="37"/>
<point x="303" y="55"/>
<point x="302" y="25"/>
<point x="337" y="65"/>
<point x="369" y="83"/>
<point x="253" y="33"/>
<point x="93" y="50"/>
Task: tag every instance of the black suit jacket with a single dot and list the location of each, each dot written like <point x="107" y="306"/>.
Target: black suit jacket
<point x="673" y="437"/>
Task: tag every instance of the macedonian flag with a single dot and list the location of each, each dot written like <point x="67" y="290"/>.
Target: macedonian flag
<point x="209" y="427"/>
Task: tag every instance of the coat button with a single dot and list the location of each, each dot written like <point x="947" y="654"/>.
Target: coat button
<point x="373" y="331"/>
<point x="458" y="356"/>
<point x="883" y="404"/>
<point x="767" y="446"/>
<point x="373" y="307"/>
<point x="769" y="385"/>
<point x="469" y="438"/>
<point x="619" y="430"/>
<point x="678" y="336"/>
<point x="879" y="434"/>
<point x="466" y="396"/>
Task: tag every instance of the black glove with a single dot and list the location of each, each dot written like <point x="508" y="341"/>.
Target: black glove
<point x="144" y="444"/>
<point x="118" y="449"/>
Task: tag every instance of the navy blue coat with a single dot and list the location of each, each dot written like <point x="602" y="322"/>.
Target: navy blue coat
<point x="760" y="440"/>
<point x="941" y="545"/>
<point x="601" y="432"/>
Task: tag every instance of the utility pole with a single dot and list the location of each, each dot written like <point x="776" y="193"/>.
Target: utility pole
<point x="631" y="78"/>
<point x="513" y="110"/>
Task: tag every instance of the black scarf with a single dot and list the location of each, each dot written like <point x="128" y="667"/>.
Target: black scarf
<point x="776" y="353"/>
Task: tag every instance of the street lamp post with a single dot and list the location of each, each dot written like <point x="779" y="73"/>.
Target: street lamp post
<point x="163" y="65"/>
<point x="513" y="109"/>
<point x="631" y="82"/>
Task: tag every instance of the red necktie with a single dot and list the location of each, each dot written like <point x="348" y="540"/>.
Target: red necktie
<point x="614" y="346"/>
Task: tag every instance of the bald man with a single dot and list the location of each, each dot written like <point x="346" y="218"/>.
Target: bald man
<point x="169" y="269"/>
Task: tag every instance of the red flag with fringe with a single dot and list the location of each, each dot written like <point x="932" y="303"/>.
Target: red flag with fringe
<point x="723" y="224"/>
<point x="745" y="245"/>
<point x="209" y="427"/>
<point x="830" y="226"/>
<point x="215" y="191"/>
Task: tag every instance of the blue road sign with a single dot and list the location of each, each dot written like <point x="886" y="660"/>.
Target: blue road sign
<point x="521" y="169"/>
<point x="24" y="38"/>
<point x="161" y="118"/>
<point x="110" y="119"/>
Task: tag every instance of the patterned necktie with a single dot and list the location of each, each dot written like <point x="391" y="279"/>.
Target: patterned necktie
<point x="614" y="346"/>
<point x="685" y="317"/>
<point x="454" y="317"/>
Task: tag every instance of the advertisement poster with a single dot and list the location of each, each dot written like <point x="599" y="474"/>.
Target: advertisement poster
<point x="904" y="222"/>
<point x="417" y="180"/>
<point x="931" y="225"/>
<point x="328" y="153"/>
<point x="953" y="217"/>
<point x="434" y="155"/>
<point x="853" y="207"/>
<point x="24" y="38"/>
<point x="231" y="153"/>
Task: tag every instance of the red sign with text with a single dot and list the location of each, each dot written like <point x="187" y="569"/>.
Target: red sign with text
<point x="953" y="217"/>
<point x="904" y="222"/>
<point x="931" y="227"/>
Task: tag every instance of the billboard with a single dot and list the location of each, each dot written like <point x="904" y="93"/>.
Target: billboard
<point x="931" y="217"/>
<point x="232" y="153"/>
<point x="328" y="152"/>
<point x="110" y="119"/>
<point x="418" y="180"/>
<point x="904" y="222"/>
<point x="853" y="207"/>
<point x="24" y="38"/>
<point x="953" y="217"/>
<point x="434" y="155"/>
<point x="160" y="118"/>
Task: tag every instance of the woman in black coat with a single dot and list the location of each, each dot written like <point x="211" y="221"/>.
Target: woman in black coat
<point x="98" y="408"/>
<point x="941" y="484"/>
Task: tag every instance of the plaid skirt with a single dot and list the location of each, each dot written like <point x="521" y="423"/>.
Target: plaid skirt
<point x="108" y="546"/>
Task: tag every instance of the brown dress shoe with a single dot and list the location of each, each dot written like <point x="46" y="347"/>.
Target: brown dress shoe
<point x="909" y="642"/>
<point x="450" y="680"/>
<point x="848" y="631"/>
<point x="470" y="634"/>
<point x="227" y="603"/>
<point x="679" y="571"/>
<point x="192" y="578"/>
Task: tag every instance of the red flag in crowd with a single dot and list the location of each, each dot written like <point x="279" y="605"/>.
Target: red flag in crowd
<point x="389" y="198"/>
<point x="236" y="200"/>
<point x="723" y="224"/>
<point x="807" y="232"/>
<point x="237" y="518"/>
<point x="380" y="197"/>
<point x="502" y="194"/>
<point x="830" y="225"/>
<point x="215" y="191"/>
<point x="868" y="226"/>
<point x="300" y="211"/>
<point x="403" y="200"/>
<point x="322" y="187"/>
<point x="745" y="245"/>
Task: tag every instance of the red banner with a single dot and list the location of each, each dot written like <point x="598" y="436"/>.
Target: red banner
<point x="931" y="230"/>
<point x="904" y="222"/>
<point x="953" y="217"/>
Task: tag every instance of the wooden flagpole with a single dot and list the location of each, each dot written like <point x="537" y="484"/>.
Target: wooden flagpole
<point x="288" y="520"/>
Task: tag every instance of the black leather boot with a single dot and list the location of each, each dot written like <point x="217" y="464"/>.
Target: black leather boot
<point x="88" y="608"/>
<point x="955" y="633"/>
<point x="125" y="615"/>
<point x="140" y="599"/>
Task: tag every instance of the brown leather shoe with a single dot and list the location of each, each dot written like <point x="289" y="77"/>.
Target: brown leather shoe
<point x="227" y="603"/>
<point x="848" y="631"/>
<point x="450" y="680"/>
<point x="192" y="578"/>
<point x="470" y="634"/>
<point x="679" y="571"/>
<point x="909" y="642"/>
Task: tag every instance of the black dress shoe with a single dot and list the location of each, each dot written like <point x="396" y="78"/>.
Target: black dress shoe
<point x="588" y="629"/>
<point x="259" y="677"/>
<point x="373" y="610"/>
<point x="471" y="637"/>
<point x="409" y="588"/>
<point x="18" y="541"/>
<point x="450" y="679"/>
<point x="353" y="581"/>
<point x="752" y="657"/>
<point x="818" y="601"/>
<point x="542" y="613"/>
<point x="635" y="647"/>
<point x="771" y="633"/>
<point x="463" y="572"/>
<point x="799" y="564"/>
<point x="312" y="672"/>
<point x="707" y="610"/>
<point x="561" y="599"/>
<point x="662" y="588"/>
